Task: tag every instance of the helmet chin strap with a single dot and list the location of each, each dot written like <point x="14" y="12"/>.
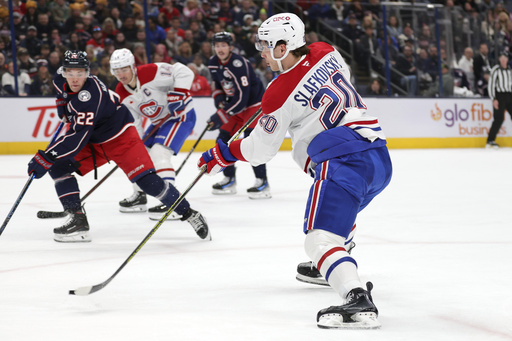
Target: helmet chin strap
<point x="278" y="60"/>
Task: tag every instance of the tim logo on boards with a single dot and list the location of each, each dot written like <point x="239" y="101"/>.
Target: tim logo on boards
<point x="470" y="120"/>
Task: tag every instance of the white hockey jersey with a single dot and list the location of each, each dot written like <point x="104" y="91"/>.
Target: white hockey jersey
<point x="149" y="98"/>
<point x="311" y="97"/>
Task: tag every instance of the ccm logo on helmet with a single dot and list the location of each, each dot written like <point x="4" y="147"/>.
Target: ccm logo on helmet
<point x="281" y="18"/>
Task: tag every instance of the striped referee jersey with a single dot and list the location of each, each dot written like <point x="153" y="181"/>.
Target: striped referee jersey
<point x="500" y="80"/>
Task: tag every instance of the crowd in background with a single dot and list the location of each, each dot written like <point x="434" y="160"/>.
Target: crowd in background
<point x="181" y="31"/>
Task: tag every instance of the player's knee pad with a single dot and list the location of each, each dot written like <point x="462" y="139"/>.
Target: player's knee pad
<point x="327" y="250"/>
<point x="161" y="157"/>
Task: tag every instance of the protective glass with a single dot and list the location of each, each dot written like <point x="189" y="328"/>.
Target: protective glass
<point x="261" y="44"/>
<point x="75" y="73"/>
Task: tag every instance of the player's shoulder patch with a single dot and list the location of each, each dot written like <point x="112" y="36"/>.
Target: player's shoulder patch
<point x="84" y="96"/>
<point x="237" y="63"/>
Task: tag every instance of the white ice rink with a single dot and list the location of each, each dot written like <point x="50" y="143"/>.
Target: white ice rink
<point x="437" y="245"/>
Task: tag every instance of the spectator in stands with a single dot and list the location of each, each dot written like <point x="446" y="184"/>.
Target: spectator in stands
<point x="366" y="47"/>
<point x="55" y="39"/>
<point x="31" y="42"/>
<point x="425" y="38"/>
<point x="481" y="61"/>
<point x="176" y="25"/>
<point x="45" y="53"/>
<point x="60" y="11"/>
<point x="97" y="42"/>
<point x="129" y="29"/>
<point x="206" y="52"/>
<point x="42" y="84"/>
<point x="200" y="85"/>
<point x="407" y="36"/>
<point x="160" y="55"/>
<point x="120" y="42"/>
<point x="226" y="14"/>
<point x="8" y="84"/>
<point x="319" y="10"/>
<point x="44" y="27"/>
<point x="355" y="8"/>
<point x="172" y="42"/>
<point x="448" y="84"/>
<point x="190" y="10"/>
<point x="76" y="17"/>
<point x="108" y="28"/>
<point x="375" y="88"/>
<point x="115" y="15"/>
<point x="74" y="43"/>
<point x="124" y="7"/>
<point x="198" y="33"/>
<point x="3" y="65"/>
<point x="483" y="83"/>
<point x="139" y="53"/>
<point x="336" y="12"/>
<point x="184" y="54"/>
<point x="54" y="62"/>
<point x="169" y="10"/>
<point x="89" y="23"/>
<point x="104" y="72"/>
<point x="20" y="26"/>
<point x="30" y="17"/>
<point x="189" y="38"/>
<point x="25" y="63"/>
<point x="156" y="33"/>
<point x="393" y="27"/>
<point x="101" y="10"/>
<point x="201" y="68"/>
<point x="352" y="30"/>
<point x="247" y="7"/>
<point x="210" y="13"/>
<point x="4" y="44"/>
<point x="405" y="63"/>
<point x="466" y="64"/>
<point x="427" y="70"/>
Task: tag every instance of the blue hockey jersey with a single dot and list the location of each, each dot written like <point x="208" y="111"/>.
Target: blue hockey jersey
<point x="237" y="86"/>
<point x="94" y="113"/>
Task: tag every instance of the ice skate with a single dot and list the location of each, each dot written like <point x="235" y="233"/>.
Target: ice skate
<point x="199" y="224"/>
<point x="358" y="313"/>
<point x="225" y="187"/>
<point x="308" y="273"/>
<point x="492" y="145"/>
<point x="155" y="213"/>
<point x="136" y="203"/>
<point x="75" y="230"/>
<point x="260" y="190"/>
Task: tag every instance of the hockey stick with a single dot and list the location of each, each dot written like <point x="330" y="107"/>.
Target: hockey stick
<point x="193" y="147"/>
<point x="84" y="291"/>
<point x="52" y="215"/>
<point x="25" y="188"/>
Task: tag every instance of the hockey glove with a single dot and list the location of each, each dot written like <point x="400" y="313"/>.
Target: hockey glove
<point x="177" y="100"/>
<point x="40" y="164"/>
<point x="61" y="109"/>
<point x="217" y="158"/>
<point x="218" y="119"/>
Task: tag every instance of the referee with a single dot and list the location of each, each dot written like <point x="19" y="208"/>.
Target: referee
<point x="500" y="92"/>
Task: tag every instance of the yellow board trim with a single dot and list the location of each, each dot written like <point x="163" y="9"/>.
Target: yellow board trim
<point x="393" y="143"/>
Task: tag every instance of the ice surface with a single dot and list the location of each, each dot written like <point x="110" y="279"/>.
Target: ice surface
<point x="437" y="245"/>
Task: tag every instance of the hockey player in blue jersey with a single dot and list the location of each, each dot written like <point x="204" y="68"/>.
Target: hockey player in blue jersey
<point x="100" y="130"/>
<point x="334" y="140"/>
<point x="237" y="96"/>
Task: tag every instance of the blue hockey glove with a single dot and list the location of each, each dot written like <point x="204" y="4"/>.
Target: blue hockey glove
<point x="177" y="100"/>
<point x="40" y="164"/>
<point x="217" y="158"/>
<point x="218" y="119"/>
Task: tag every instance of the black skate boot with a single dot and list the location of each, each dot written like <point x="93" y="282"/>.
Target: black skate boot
<point x="155" y="213"/>
<point x="136" y="203"/>
<point x="358" y="313"/>
<point x="198" y="222"/>
<point x="75" y="230"/>
<point x="308" y="273"/>
<point x="225" y="186"/>
<point x="260" y="190"/>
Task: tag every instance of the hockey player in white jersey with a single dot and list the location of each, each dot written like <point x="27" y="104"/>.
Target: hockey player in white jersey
<point x="334" y="140"/>
<point x="159" y="92"/>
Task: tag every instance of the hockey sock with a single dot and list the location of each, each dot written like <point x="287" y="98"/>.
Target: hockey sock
<point x="153" y="185"/>
<point x="260" y="171"/>
<point x="68" y="192"/>
<point x="161" y="157"/>
<point x="333" y="261"/>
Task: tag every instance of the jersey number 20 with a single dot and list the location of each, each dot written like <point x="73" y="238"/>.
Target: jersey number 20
<point x="333" y="100"/>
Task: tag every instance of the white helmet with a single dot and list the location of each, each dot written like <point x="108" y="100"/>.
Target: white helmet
<point x="122" y="58"/>
<point x="284" y="26"/>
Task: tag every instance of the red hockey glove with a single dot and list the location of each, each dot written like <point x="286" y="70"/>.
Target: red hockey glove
<point x="217" y="158"/>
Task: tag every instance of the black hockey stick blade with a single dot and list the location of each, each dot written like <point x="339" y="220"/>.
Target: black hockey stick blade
<point x="51" y="215"/>
<point x="84" y="291"/>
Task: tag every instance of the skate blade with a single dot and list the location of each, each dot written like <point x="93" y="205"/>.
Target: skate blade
<point x="133" y="209"/>
<point x="363" y="320"/>
<point x="228" y="191"/>
<point x="310" y="280"/>
<point x="77" y="237"/>
<point x="259" y="195"/>
<point x="158" y="216"/>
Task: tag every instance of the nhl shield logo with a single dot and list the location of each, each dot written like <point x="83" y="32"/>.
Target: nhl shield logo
<point x="84" y="95"/>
